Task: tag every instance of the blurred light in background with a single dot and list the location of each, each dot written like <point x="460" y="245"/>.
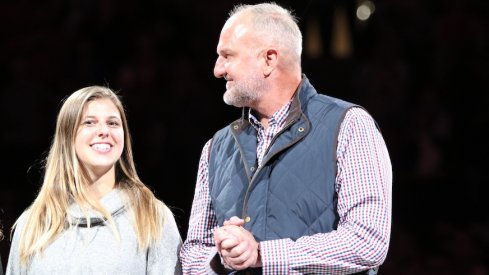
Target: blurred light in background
<point x="341" y="36"/>
<point x="365" y="9"/>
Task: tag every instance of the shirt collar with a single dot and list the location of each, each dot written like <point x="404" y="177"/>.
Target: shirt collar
<point x="278" y="118"/>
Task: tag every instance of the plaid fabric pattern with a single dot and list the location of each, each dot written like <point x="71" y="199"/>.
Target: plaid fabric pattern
<point x="363" y="184"/>
<point x="265" y="136"/>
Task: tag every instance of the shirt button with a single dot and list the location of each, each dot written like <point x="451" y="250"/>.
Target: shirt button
<point x="252" y="168"/>
<point x="247" y="219"/>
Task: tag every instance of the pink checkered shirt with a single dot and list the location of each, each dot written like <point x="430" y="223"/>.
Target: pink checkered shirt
<point x="364" y="188"/>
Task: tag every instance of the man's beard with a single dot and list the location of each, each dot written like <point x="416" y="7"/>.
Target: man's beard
<point x="245" y="92"/>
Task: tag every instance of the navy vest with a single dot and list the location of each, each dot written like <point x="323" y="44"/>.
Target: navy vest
<point x="293" y="193"/>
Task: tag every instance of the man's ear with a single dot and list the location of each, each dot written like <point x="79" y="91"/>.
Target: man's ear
<point x="271" y="59"/>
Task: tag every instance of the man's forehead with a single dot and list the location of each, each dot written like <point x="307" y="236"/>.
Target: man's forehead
<point x="237" y="24"/>
<point x="235" y="32"/>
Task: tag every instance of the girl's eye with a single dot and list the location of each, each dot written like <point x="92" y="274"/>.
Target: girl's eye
<point x="113" y="123"/>
<point x="89" y="122"/>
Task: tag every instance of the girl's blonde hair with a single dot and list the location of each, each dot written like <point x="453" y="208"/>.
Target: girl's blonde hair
<point x="65" y="179"/>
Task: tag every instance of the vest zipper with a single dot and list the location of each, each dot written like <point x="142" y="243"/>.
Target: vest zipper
<point x="259" y="168"/>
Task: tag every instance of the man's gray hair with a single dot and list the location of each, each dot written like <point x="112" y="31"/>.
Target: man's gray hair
<point x="276" y="24"/>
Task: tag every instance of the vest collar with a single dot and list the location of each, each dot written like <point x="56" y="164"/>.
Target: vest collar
<point x="304" y="91"/>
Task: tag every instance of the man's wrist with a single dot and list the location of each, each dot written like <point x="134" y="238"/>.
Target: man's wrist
<point x="218" y="265"/>
<point x="258" y="257"/>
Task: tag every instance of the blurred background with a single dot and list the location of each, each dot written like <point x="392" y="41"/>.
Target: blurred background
<point x="420" y="67"/>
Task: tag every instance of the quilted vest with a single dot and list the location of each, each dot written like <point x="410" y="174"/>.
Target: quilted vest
<point x="293" y="193"/>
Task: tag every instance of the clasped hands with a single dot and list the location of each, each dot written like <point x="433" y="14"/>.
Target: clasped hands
<point x="236" y="245"/>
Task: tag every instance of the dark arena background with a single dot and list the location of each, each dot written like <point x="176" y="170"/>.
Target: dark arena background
<point x="420" y="67"/>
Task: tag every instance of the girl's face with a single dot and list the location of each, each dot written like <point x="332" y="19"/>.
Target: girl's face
<point x="99" y="139"/>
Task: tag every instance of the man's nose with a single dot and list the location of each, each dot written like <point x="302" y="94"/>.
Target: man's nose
<point x="219" y="68"/>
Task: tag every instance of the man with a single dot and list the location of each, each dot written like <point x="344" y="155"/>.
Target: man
<point x="301" y="184"/>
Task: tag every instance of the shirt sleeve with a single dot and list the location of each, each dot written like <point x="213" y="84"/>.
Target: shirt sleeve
<point x="364" y="187"/>
<point x="198" y="250"/>
<point x="14" y="267"/>
<point x="163" y="257"/>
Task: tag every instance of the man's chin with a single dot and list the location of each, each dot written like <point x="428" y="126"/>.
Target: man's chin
<point x="235" y="104"/>
<point x="229" y="99"/>
<point x="232" y="99"/>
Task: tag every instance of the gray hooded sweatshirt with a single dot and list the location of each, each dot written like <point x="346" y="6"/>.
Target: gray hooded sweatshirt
<point x="96" y="250"/>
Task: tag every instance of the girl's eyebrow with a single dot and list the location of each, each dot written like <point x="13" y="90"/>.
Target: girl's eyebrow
<point x="111" y="117"/>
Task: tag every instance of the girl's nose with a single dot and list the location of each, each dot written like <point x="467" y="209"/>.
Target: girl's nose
<point x="103" y="130"/>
